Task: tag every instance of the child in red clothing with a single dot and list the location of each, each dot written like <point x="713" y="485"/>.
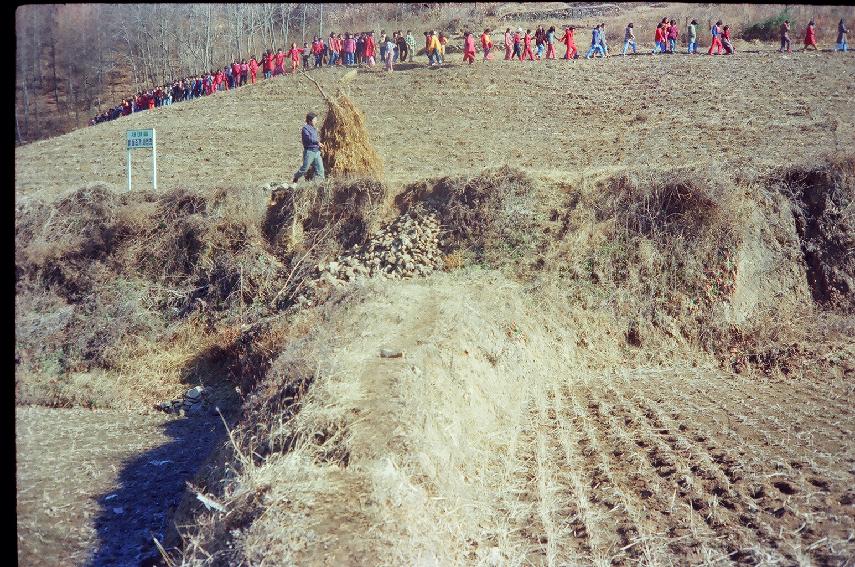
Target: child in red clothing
<point x="527" y="46"/>
<point x="468" y="48"/>
<point x="569" y="43"/>
<point x="294" y="53"/>
<point x="810" y="36"/>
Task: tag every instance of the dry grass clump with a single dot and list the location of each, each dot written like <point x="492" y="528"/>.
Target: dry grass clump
<point x="347" y="147"/>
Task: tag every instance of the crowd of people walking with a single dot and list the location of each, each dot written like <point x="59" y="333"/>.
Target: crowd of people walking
<point x="363" y="49"/>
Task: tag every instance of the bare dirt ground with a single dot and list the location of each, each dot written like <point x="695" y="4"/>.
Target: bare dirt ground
<point x="95" y="486"/>
<point x="553" y="118"/>
<point x="677" y="467"/>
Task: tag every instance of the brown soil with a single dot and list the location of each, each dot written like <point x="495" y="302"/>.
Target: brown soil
<point x="95" y="486"/>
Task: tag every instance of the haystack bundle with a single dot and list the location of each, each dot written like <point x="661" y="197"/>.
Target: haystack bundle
<point x="347" y="147"/>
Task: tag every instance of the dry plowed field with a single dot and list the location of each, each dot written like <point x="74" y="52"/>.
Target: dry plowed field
<point x="677" y="468"/>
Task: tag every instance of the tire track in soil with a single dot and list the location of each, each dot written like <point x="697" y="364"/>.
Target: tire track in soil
<point x="737" y="390"/>
<point x="647" y="485"/>
<point x="543" y="513"/>
<point x="780" y="500"/>
<point x="520" y="510"/>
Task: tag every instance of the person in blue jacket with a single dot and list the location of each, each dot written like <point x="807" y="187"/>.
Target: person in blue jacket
<point x="311" y="149"/>
<point x="595" y="43"/>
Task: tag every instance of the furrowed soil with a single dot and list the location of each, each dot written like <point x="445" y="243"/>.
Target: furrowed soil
<point x="679" y="466"/>
<point x="512" y="430"/>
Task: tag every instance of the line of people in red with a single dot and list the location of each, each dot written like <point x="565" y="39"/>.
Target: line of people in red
<point x="358" y="49"/>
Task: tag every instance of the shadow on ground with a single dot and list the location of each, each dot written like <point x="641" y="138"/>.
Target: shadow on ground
<point x="151" y="486"/>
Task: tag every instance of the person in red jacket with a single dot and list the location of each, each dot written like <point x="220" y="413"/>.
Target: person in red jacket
<point x="725" y="41"/>
<point x="659" y="39"/>
<point x="810" y="36"/>
<point x="267" y="64"/>
<point x="468" y="47"/>
<point x="715" y="32"/>
<point x="527" y="46"/>
<point x="253" y="69"/>
<point x="236" y="73"/>
<point x="294" y="53"/>
<point x="569" y="43"/>
<point x="369" y="49"/>
<point x="279" y="62"/>
<point x="517" y="44"/>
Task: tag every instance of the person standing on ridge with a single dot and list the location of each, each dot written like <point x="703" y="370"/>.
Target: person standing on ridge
<point x="527" y="46"/>
<point x="487" y="44"/>
<point x="595" y="42"/>
<point x="539" y="41"/>
<point x="658" y="39"/>
<point x="312" y="147"/>
<point x="629" y="39"/>
<point x="369" y="49"/>
<point x="403" y="48"/>
<point x="280" y="61"/>
<point x="411" y="45"/>
<point x="603" y="45"/>
<point x="389" y="52"/>
<point x="509" y="45"/>
<point x="294" y="54"/>
<point x="725" y="41"/>
<point x="785" y="37"/>
<point x="468" y="47"/>
<point x="673" y="34"/>
<point x="517" y="45"/>
<point x="550" y="43"/>
<point x="253" y="69"/>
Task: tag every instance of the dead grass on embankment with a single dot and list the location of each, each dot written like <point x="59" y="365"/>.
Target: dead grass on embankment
<point x="160" y="290"/>
<point x="121" y="299"/>
<point x="342" y="454"/>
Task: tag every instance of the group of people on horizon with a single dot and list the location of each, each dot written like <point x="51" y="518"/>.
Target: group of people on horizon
<point x="361" y="49"/>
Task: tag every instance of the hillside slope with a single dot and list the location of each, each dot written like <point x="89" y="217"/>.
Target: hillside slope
<point x="552" y="118"/>
<point x="638" y="350"/>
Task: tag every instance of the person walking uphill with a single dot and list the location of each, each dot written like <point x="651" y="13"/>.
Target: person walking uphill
<point x="785" y="37"/>
<point x="311" y="149"/>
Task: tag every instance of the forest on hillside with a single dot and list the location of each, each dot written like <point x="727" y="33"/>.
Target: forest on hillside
<point x="74" y="59"/>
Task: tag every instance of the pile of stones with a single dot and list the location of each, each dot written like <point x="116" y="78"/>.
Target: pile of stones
<point x="406" y="248"/>
<point x="193" y="403"/>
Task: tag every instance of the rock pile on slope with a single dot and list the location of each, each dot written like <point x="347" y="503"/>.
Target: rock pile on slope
<point x="406" y="248"/>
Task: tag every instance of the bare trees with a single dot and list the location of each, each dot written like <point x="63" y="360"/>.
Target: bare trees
<point x="75" y="58"/>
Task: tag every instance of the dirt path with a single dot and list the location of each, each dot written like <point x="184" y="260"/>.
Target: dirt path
<point x="94" y="486"/>
<point x="642" y="467"/>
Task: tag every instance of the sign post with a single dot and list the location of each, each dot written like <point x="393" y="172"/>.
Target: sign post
<point x="139" y="139"/>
